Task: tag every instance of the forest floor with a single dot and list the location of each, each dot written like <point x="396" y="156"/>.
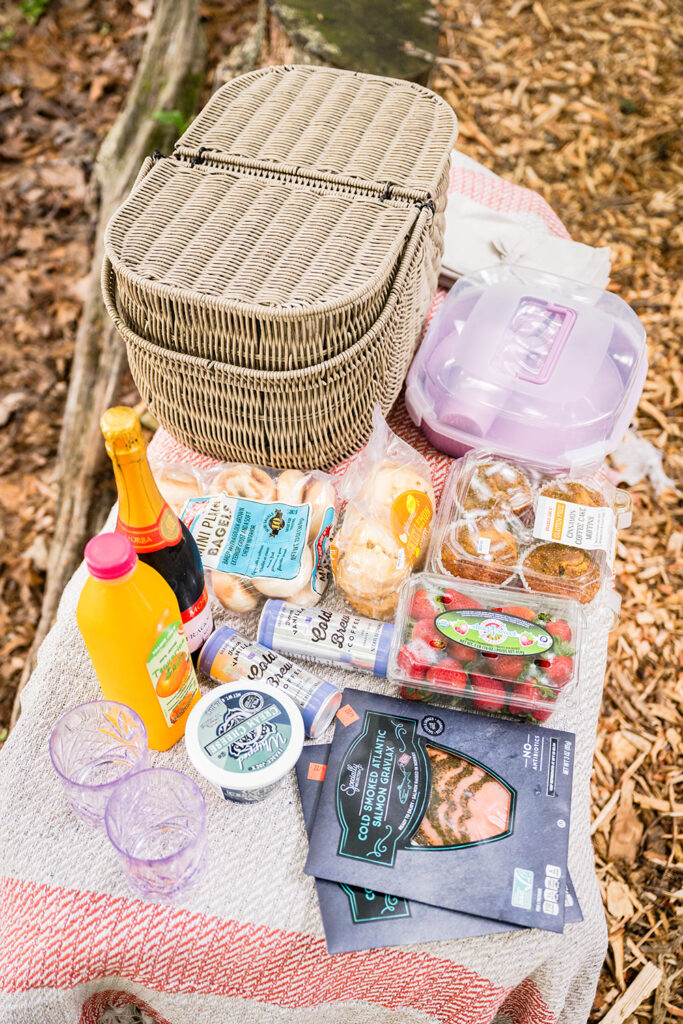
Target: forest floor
<point x="577" y="99"/>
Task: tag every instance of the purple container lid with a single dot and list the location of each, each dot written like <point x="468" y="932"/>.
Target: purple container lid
<point x="529" y="365"/>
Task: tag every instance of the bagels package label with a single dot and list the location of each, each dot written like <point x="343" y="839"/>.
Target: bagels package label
<point x="248" y="538"/>
<point x="447" y="808"/>
<point x="356" y="918"/>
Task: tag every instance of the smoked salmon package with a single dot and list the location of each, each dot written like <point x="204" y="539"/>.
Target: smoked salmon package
<point x="356" y="918"/>
<point x="461" y="811"/>
<point x="485" y="648"/>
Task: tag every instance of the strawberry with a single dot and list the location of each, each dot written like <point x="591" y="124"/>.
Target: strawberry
<point x="541" y="712"/>
<point x="424" y="629"/>
<point x="519" y="611"/>
<point x="425" y="606"/>
<point x="523" y="698"/>
<point x="505" y="666"/>
<point x="560" y="629"/>
<point x="488" y="694"/>
<point x="560" y="671"/>
<point x="416" y="693"/>
<point x="413" y="662"/>
<point x="448" y="673"/>
<point x="465" y="655"/>
<point x="454" y="599"/>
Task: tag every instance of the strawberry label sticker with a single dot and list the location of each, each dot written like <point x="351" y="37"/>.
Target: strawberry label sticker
<point x="494" y="633"/>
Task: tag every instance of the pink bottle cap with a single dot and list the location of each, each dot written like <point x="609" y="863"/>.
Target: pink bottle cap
<point x="110" y="556"/>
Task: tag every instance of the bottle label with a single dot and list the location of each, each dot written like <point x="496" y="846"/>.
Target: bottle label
<point x="248" y="538"/>
<point x="328" y="636"/>
<point x="579" y="526"/>
<point x="172" y="673"/>
<point x="166" y="530"/>
<point x="198" y="621"/>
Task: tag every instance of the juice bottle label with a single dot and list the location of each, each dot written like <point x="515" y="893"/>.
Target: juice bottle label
<point x="172" y="673"/>
<point x="248" y="538"/>
<point x="166" y="530"/>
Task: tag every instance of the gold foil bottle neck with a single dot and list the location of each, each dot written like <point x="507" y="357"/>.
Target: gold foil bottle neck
<point x="122" y="432"/>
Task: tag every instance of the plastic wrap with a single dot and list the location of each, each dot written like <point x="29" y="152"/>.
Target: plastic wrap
<point x="507" y="522"/>
<point x="261" y="533"/>
<point x="386" y="525"/>
<point x="486" y="648"/>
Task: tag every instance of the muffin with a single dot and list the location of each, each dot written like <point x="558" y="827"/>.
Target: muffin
<point x="559" y="569"/>
<point x="480" y="549"/>
<point x="499" y="485"/>
<point x="572" y="490"/>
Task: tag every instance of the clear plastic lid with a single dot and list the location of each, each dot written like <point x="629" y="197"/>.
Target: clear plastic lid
<point x="529" y="365"/>
<point x="508" y="522"/>
<point x="486" y="648"/>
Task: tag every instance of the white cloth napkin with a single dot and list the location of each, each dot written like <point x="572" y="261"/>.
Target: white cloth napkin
<point x="477" y="237"/>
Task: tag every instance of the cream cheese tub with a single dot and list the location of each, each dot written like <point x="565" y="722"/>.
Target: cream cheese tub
<point x="244" y="739"/>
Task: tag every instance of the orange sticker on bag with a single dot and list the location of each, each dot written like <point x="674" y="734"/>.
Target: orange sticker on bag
<point x="411" y="515"/>
<point x="346" y="715"/>
<point x="316" y="772"/>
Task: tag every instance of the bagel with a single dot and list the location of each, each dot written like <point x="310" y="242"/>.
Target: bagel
<point x="177" y="484"/>
<point x="241" y="481"/>
<point x="291" y="485"/>
<point x="233" y="593"/>
<point x="287" y="588"/>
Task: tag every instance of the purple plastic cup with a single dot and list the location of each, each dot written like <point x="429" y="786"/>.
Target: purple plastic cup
<point x="93" y="747"/>
<point x="156" y="822"/>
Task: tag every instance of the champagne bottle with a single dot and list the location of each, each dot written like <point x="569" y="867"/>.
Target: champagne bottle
<point x="158" y="536"/>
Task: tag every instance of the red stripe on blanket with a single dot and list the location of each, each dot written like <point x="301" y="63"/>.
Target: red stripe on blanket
<point x="61" y="938"/>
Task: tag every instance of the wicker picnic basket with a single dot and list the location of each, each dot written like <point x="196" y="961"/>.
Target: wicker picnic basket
<point x="271" y="276"/>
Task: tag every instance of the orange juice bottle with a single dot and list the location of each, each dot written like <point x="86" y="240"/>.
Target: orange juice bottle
<point x="131" y="623"/>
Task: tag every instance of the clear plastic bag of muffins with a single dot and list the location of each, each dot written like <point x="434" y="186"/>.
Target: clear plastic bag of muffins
<point x="386" y="525"/>
<point x="505" y="522"/>
<point x="485" y="648"/>
<point x="260" y="532"/>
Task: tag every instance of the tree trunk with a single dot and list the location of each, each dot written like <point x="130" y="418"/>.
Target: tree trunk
<point x="169" y="78"/>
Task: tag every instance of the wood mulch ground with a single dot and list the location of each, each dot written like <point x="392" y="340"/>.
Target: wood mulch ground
<point x="577" y="99"/>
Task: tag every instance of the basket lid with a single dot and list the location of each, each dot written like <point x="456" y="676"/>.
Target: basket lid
<point x="266" y="246"/>
<point x="331" y="123"/>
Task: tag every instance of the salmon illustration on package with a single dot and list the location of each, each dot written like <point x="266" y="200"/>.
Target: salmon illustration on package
<point x="447" y="808"/>
<point x="356" y="918"/>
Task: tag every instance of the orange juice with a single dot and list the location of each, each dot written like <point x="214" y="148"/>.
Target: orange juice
<point x="131" y="623"/>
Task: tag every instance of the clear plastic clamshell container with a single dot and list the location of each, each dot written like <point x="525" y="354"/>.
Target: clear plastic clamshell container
<point x="485" y="648"/>
<point x="507" y="522"/>
<point x="529" y="365"/>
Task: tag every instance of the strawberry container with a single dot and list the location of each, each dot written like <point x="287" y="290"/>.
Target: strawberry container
<point x="508" y="522"/>
<point x="485" y="648"/>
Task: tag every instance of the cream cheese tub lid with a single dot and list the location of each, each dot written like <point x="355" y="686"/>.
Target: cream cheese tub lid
<point x="244" y="737"/>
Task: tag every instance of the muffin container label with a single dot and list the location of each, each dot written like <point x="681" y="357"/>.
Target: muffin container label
<point x="447" y="809"/>
<point x="248" y="538"/>
<point x="356" y="918"/>
<point x="498" y="633"/>
<point x="580" y="526"/>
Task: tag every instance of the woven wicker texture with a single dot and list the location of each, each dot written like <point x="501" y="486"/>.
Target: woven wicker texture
<point x="333" y="122"/>
<point x="312" y="416"/>
<point x="272" y="278"/>
<point x="257" y="273"/>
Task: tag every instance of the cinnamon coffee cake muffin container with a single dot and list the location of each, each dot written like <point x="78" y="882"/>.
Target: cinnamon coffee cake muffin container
<point x="511" y="523"/>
